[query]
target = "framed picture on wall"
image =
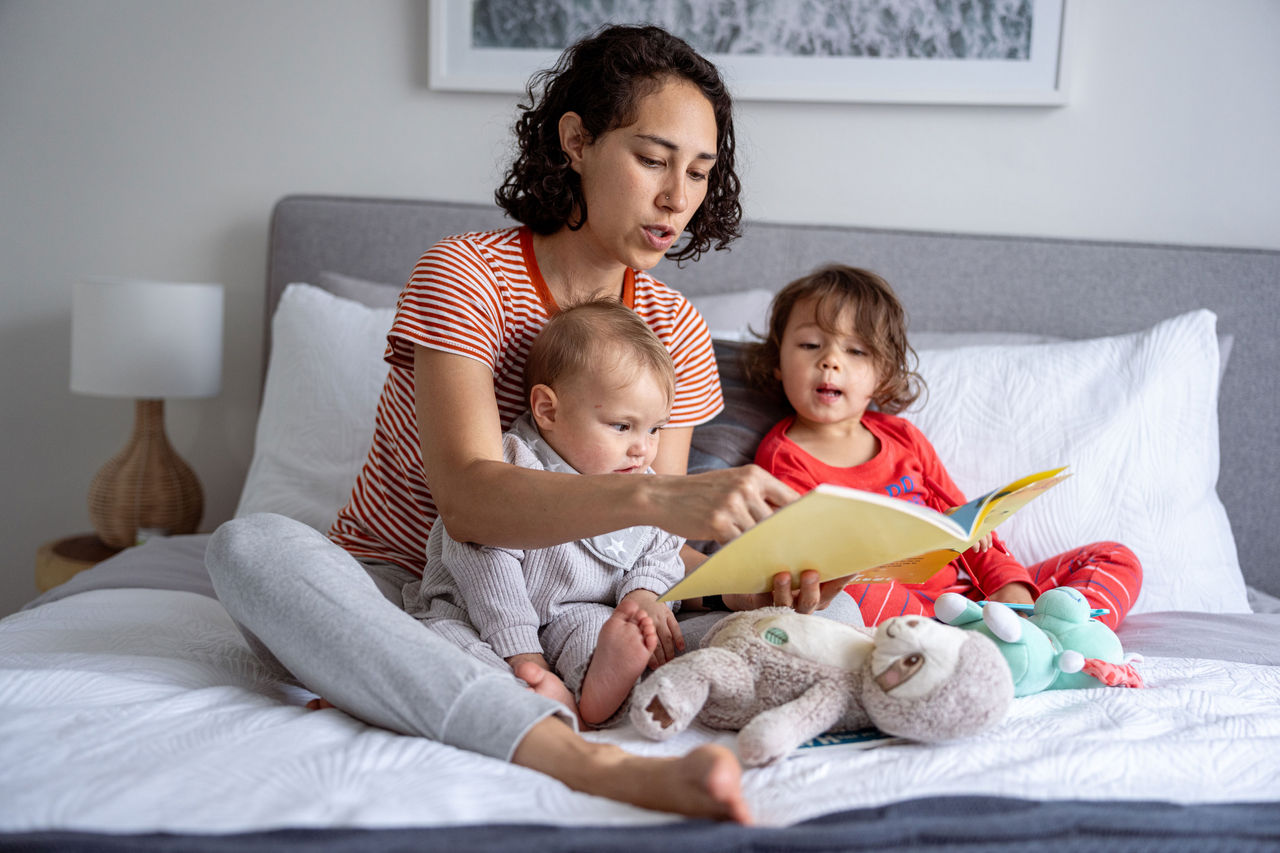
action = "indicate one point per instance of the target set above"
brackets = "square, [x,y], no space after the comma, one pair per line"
[871,51]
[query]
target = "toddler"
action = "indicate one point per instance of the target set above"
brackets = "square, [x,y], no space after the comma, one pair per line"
[578,622]
[837,348]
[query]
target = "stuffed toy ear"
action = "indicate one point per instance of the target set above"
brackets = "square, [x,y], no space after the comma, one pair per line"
[976,697]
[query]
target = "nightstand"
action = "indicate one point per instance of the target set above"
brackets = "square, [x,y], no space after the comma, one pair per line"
[60,560]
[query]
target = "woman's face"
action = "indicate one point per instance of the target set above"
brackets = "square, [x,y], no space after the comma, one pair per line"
[644,182]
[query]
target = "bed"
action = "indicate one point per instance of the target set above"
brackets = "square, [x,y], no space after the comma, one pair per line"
[133,716]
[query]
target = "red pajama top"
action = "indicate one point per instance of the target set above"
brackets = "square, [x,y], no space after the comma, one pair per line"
[481,296]
[905,467]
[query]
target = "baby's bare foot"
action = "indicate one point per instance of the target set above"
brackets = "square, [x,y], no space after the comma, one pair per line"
[623,648]
[546,683]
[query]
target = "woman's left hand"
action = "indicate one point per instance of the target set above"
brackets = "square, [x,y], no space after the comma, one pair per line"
[812,595]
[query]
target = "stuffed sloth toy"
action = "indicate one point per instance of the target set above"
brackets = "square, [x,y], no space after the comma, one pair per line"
[781,678]
[1058,647]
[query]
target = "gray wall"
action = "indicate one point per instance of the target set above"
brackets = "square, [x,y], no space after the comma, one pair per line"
[150,138]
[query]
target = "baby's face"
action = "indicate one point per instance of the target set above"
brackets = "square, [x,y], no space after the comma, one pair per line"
[608,421]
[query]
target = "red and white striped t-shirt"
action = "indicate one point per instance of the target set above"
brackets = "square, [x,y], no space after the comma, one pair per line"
[481,296]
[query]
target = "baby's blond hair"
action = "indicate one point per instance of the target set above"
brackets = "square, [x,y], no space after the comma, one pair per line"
[584,337]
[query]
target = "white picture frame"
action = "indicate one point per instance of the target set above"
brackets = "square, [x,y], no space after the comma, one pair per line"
[1040,80]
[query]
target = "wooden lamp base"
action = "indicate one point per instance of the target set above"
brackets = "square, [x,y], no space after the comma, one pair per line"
[145,487]
[59,561]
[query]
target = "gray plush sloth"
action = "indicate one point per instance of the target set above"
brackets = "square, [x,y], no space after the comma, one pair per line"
[780,678]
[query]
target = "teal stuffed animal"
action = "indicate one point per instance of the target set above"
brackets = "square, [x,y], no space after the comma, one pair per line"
[1060,646]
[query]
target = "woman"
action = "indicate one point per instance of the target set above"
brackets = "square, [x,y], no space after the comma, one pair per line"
[627,144]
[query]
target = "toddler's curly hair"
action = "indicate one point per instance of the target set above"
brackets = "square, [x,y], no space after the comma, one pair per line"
[879,320]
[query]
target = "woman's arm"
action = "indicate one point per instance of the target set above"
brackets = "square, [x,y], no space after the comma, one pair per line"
[673,458]
[673,451]
[481,498]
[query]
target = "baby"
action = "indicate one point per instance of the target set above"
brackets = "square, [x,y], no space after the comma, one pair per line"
[578,622]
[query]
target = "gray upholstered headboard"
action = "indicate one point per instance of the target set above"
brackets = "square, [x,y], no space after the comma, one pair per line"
[1075,289]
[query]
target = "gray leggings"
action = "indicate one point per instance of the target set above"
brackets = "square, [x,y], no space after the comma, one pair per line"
[308,607]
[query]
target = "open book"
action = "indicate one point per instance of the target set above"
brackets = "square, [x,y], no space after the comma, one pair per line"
[864,738]
[841,531]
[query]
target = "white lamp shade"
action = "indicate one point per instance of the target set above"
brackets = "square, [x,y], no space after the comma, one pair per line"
[146,339]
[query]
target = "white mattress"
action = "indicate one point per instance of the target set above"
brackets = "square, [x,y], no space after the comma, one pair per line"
[133,710]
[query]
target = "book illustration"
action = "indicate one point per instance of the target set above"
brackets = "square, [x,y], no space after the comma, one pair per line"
[869,536]
[865,738]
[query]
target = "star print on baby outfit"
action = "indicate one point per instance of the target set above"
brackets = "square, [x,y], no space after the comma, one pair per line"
[621,548]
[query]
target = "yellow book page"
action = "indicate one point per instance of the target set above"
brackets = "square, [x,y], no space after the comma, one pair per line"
[916,569]
[834,530]
[1014,497]
[971,514]
[996,508]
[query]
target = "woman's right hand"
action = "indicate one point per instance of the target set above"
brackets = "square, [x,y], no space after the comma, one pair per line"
[718,505]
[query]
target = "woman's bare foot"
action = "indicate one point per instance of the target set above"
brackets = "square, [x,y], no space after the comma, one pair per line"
[706,783]
[623,648]
[546,683]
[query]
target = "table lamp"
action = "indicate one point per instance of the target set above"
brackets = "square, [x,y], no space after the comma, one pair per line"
[147,340]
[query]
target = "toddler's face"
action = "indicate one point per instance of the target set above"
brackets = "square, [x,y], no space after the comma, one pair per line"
[828,378]
[608,421]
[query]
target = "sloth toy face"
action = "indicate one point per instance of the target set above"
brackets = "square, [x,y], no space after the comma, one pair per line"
[913,656]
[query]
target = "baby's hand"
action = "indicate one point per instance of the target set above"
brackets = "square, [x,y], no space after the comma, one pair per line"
[670,638]
[535,658]
[983,545]
[534,670]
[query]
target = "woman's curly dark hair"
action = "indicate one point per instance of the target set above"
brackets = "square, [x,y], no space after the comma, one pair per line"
[602,78]
[879,320]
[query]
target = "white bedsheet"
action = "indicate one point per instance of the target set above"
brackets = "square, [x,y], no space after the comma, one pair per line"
[142,710]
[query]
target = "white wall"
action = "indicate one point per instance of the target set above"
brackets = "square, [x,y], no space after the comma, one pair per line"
[151,138]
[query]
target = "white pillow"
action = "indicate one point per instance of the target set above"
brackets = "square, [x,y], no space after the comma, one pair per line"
[734,316]
[316,423]
[1136,419]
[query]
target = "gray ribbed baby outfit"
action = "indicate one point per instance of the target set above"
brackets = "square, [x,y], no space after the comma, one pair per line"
[498,602]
